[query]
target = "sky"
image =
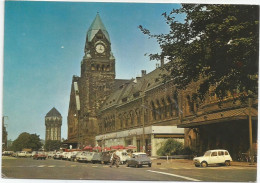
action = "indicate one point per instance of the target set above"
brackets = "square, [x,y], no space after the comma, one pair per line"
[44,45]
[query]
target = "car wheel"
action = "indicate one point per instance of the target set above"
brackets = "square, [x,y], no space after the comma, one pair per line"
[137,166]
[150,164]
[127,165]
[197,165]
[227,163]
[204,164]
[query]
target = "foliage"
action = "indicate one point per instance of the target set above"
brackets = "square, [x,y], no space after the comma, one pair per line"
[26,140]
[216,46]
[170,147]
[51,145]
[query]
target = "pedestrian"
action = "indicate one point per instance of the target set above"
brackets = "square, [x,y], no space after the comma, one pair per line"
[115,160]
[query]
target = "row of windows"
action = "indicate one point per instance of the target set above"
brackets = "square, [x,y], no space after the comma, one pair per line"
[100,67]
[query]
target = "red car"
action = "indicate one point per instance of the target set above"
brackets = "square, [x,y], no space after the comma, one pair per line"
[39,156]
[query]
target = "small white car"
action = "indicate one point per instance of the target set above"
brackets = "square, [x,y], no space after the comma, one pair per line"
[24,154]
[217,156]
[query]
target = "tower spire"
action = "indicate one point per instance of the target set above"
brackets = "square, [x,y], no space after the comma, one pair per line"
[97,25]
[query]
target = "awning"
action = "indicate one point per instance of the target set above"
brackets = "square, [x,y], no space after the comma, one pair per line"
[230,115]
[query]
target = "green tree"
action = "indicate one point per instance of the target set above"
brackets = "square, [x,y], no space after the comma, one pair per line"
[215,45]
[26,140]
[51,145]
[170,147]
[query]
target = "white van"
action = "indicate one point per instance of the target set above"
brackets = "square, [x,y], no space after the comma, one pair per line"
[123,156]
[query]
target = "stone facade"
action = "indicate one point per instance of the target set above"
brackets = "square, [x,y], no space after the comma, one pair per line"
[146,111]
[101,104]
[53,122]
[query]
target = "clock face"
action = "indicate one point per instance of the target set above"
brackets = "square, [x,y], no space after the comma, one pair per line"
[100,48]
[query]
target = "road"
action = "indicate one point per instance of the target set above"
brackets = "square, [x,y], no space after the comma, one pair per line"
[61,169]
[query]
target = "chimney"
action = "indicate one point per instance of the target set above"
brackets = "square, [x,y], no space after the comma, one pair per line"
[162,60]
[143,72]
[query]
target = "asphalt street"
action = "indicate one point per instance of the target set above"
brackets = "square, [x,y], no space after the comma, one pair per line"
[60,169]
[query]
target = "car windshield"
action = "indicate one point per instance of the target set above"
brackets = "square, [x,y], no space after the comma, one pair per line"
[141,156]
[207,153]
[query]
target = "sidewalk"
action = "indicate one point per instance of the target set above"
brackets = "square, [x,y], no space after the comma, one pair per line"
[173,163]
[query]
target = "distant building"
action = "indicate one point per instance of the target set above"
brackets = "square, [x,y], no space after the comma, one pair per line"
[53,122]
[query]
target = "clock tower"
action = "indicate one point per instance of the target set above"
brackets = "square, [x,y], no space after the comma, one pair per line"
[97,79]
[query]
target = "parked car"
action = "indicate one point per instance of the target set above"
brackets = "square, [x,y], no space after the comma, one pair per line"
[50,154]
[82,156]
[217,156]
[7,153]
[64,155]
[24,154]
[57,155]
[15,154]
[139,159]
[40,155]
[74,155]
[89,156]
[105,157]
[96,157]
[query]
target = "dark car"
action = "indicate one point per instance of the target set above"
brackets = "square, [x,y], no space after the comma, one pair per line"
[96,157]
[40,156]
[105,157]
[139,159]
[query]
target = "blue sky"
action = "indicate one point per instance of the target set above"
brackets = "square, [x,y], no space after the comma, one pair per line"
[44,45]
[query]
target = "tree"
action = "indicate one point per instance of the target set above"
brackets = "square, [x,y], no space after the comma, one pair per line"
[170,147]
[26,140]
[216,46]
[51,145]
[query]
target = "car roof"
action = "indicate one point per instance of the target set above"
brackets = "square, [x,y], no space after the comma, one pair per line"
[138,153]
[218,150]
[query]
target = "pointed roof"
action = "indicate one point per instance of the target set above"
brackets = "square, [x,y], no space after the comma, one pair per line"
[97,25]
[53,112]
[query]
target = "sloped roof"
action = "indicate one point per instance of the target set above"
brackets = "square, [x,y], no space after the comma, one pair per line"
[97,25]
[135,86]
[53,113]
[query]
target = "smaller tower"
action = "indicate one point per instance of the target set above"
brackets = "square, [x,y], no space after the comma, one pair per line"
[53,121]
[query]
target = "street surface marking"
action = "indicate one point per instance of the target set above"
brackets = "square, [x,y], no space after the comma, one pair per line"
[51,166]
[41,166]
[174,175]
